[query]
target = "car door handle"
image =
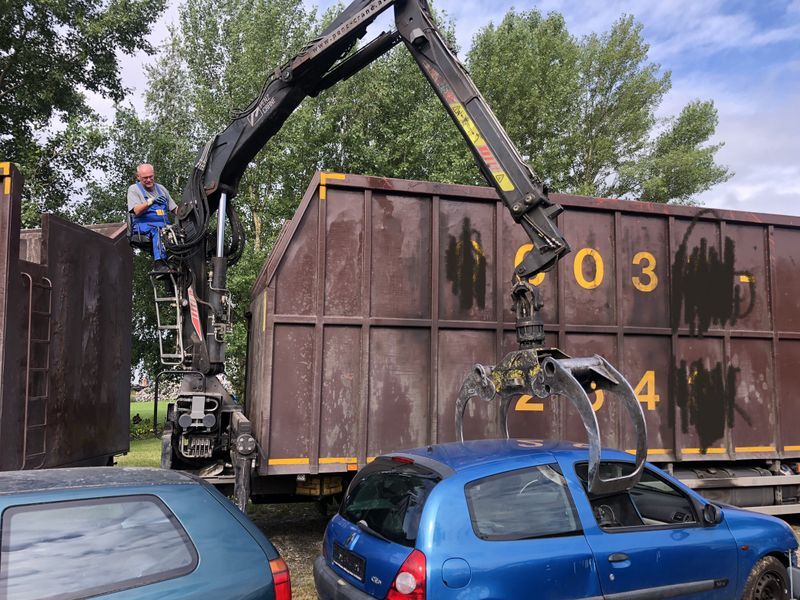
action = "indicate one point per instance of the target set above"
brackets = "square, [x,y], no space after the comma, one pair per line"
[618,557]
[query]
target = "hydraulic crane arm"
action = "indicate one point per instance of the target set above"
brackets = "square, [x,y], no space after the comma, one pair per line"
[206,422]
[322,63]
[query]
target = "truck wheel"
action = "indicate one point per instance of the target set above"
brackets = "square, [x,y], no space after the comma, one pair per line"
[767,581]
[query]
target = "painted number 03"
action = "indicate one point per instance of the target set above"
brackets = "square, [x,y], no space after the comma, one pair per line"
[645,392]
[645,281]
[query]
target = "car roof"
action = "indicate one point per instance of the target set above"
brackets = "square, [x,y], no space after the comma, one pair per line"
[481,453]
[15,482]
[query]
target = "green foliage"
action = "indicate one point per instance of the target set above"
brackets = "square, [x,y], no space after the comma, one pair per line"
[528,69]
[142,418]
[52,52]
[676,165]
[582,111]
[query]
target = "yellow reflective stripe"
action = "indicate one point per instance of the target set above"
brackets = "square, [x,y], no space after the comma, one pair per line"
[755,448]
[708,451]
[791,448]
[324,178]
[5,171]
[652,451]
[288,461]
[338,461]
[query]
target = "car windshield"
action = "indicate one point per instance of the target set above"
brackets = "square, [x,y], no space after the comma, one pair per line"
[390,500]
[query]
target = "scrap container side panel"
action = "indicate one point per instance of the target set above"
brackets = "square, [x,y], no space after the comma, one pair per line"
[399,287]
[11,409]
[92,278]
[65,344]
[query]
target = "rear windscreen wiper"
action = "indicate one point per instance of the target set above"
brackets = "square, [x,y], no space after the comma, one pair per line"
[362,524]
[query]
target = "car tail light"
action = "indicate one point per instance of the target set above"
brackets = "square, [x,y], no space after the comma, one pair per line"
[410,579]
[281,579]
[403,460]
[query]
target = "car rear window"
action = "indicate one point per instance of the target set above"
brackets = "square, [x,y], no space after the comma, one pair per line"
[522,504]
[76,549]
[389,498]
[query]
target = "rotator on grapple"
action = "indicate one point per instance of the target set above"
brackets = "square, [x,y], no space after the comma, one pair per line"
[206,428]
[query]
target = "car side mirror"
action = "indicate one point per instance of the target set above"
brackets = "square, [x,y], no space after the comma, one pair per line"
[712,514]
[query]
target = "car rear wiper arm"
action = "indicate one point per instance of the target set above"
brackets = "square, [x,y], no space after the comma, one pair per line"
[362,524]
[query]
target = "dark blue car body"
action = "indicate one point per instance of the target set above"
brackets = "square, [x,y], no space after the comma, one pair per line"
[127,533]
[655,541]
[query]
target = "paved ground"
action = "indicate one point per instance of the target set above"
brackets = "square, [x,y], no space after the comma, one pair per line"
[297,529]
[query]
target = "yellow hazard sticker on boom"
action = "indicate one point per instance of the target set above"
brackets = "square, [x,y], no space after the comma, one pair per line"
[469,127]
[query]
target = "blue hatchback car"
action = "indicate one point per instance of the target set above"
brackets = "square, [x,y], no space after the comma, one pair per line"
[129,533]
[514,519]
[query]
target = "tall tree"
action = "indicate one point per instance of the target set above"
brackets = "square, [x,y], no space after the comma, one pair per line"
[52,52]
[583,110]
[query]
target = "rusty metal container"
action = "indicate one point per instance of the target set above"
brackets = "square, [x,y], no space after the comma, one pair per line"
[382,293]
[65,344]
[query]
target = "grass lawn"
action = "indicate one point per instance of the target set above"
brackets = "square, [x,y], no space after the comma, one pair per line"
[145,410]
[143,453]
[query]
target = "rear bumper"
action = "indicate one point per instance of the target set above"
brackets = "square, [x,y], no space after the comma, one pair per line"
[332,587]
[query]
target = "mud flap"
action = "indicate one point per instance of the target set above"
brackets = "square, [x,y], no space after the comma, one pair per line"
[243,453]
[545,373]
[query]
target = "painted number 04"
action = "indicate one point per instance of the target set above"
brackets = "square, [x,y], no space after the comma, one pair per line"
[645,392]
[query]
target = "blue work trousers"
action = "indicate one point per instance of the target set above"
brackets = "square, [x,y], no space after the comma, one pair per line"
[153,230]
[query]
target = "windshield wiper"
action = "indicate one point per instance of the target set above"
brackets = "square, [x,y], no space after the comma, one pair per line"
[362,524]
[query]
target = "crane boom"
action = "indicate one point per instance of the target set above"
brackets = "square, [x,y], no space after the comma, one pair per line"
[200,268]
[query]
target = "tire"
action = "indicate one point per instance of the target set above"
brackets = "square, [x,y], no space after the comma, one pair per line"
[767,581]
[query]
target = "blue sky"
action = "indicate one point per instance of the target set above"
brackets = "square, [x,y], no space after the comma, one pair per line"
[742,54]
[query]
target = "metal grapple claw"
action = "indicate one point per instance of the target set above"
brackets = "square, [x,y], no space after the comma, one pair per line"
[477,384]
[575,378]
[545,373]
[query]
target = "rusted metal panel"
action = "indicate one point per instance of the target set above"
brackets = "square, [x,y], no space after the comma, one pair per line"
[298,270]
[589,297]
[399,389]
[459,351]
[607,411]
[401,256]
[65,344]
[754,422]
[341,383]
[704,397]
[405,287]
[11,408]
[343,252]
[290,419]
[647,364]
[787,275]
[788,359]
[644,272]
[466,255]
[92,278]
